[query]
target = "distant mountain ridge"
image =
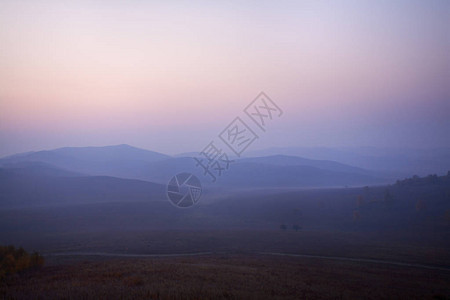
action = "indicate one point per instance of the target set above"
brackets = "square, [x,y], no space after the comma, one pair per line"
[41,184]
[289,160]
[37,168]
[117,161]
[393,162]
[124,161]
[103,153]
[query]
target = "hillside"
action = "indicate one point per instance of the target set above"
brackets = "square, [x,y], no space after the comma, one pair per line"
[43,185]
[124,161]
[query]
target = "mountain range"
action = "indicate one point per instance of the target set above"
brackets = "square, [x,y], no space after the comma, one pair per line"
[124,161]
[124,187]
[388,162]
[121,172]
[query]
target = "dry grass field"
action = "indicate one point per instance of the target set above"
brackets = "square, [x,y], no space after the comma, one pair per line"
[224,277]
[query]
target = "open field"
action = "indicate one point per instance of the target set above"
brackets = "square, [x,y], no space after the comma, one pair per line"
[320,265]
[225,277]
[375,243]
[418,248]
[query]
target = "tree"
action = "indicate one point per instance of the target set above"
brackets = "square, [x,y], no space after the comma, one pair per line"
[388,197]
[36,260]
[296,227]
[420,205]
[283,227]
[366,191]
[359,201]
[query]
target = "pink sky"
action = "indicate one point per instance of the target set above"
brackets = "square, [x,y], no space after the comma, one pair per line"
[170,76]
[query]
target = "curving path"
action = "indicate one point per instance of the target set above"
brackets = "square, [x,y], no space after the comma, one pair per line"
[338,258]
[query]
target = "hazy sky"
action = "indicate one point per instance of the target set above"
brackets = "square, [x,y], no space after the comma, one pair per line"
[170,76]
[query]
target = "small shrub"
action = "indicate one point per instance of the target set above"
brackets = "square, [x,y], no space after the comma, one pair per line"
[14,260]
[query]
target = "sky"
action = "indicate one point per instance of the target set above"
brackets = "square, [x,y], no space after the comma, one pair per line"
[171,75]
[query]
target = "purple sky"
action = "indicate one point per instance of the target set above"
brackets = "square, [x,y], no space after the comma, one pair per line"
[170,77]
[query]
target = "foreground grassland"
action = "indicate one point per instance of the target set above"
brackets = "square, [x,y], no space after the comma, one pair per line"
[238,276]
